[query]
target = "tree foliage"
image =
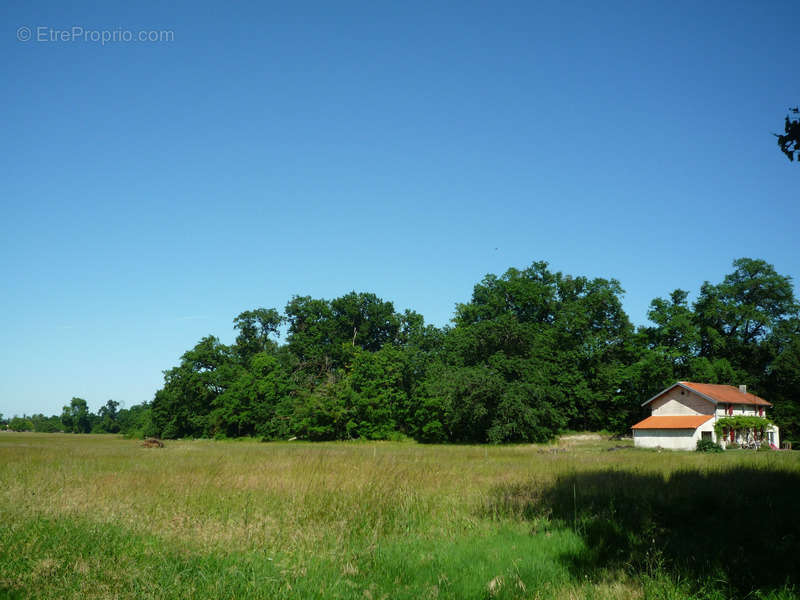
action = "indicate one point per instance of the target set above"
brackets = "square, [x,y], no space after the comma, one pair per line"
[534,352]
[76,417]
[255,328]
[737,316]
[741,423]
[21,424]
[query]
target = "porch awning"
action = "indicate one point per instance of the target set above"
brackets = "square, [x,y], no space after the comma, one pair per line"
[677,422]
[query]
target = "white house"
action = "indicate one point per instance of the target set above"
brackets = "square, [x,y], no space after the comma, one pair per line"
[686,412]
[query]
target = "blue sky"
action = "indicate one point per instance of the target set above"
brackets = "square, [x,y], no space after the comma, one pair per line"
[151,191]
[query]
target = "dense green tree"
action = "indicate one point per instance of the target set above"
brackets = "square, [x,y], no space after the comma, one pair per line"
[669,350]
[320,330]
[365,319]
[368,398]
[76,417]
[674,333]
[183,406]
[44,424]
[251,404]
[107,418]
[22,423]
[532,353]
[137,421]
[255,328]
[311,336]
[374,392]
[737,316]
[320,414]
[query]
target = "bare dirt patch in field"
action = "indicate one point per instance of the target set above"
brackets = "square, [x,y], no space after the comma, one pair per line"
[578,437]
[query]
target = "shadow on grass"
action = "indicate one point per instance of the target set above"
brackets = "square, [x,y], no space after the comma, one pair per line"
[739,527]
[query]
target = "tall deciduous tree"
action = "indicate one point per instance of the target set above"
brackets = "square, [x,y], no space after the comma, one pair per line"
[532,353]
[310,336]
[674,330]
[255,328]
[252,403]
[183,406]
[736,316]
[108,417]
[318,329]
[76,416]
[365,319]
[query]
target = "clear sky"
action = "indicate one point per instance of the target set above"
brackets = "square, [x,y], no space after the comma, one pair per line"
[151,191]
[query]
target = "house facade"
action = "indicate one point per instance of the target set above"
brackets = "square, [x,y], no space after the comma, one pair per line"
[687,412]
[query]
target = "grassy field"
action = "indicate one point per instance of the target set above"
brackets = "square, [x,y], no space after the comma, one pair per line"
[88,516]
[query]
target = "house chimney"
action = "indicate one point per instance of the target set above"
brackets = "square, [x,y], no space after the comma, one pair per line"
[743,389]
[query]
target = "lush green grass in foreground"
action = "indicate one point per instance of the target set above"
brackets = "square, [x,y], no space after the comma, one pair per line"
[101,517]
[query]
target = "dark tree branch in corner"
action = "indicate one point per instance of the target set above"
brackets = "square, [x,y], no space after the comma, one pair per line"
[790,142]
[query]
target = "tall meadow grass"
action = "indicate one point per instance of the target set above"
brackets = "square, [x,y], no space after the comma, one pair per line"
[100,516]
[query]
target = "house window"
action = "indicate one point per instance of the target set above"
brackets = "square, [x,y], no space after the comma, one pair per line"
[706,435]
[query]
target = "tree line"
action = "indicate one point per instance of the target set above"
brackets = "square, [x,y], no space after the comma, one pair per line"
[77,418]
[533,353]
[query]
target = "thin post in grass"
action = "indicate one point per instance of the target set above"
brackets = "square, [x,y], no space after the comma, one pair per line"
[574,507]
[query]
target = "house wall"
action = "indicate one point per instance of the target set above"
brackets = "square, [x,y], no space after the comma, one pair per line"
[707,426]
[777,435]
[670,439]
[673,402]
[738,409]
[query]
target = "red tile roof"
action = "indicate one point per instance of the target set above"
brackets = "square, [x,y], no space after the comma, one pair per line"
[682,422]
[727,394]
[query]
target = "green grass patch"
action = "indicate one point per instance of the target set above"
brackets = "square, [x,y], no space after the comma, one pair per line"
[76,558]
